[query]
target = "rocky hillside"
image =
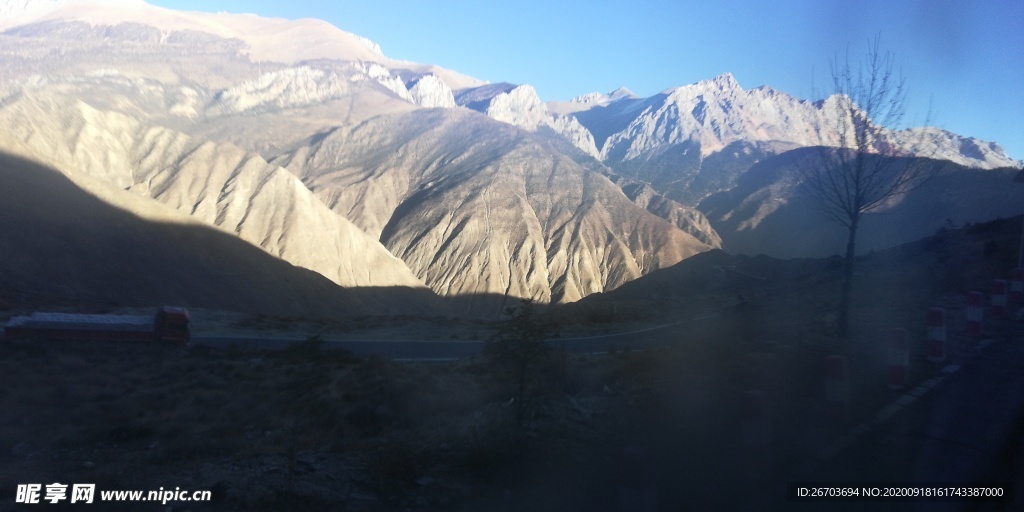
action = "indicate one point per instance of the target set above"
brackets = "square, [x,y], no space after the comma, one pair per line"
[216,183]
[375,172]
[452,193]
[769,211]
[63,246]
[693,141]
[365,171]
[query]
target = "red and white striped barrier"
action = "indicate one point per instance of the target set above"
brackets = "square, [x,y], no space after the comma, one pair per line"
[936,335]
[1017,286]
[837,387]
[999,292]
[975,313]
[757,425]
[899,359]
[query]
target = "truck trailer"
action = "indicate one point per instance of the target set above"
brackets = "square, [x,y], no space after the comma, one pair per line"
[168,325]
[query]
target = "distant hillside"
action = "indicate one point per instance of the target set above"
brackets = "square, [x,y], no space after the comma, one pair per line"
[769,212]
[769,298]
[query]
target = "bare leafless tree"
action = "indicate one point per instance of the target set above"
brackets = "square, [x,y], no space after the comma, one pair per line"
[863,169]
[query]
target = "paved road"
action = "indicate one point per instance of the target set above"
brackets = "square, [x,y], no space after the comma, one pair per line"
[442,350]
[439,350]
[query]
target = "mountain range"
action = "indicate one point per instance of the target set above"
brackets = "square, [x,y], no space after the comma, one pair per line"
[309,143]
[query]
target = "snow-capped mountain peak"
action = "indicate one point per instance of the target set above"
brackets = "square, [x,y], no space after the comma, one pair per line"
[724,84]
[430,91]
[597,98]
[590,98]
[725,80]
[945,145]
[621,93]
[718,112]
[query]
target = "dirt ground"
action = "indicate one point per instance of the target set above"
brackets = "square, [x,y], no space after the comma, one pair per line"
[732,404]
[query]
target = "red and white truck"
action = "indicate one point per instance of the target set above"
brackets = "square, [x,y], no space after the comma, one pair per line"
[168,325]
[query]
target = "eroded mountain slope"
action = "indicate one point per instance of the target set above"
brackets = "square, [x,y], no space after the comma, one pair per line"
[217,183]
[475,206]
[60,243]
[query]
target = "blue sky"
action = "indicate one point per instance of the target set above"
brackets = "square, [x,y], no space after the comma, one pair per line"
[967,58]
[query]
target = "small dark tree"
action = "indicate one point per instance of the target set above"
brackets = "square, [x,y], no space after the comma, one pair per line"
[518,347]
[864,170]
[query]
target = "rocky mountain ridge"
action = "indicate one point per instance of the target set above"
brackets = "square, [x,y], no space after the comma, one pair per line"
[716,113]
[421,180]
[378,172]
[287,157]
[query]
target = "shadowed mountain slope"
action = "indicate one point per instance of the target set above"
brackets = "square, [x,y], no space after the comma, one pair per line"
[216,183]
[56,240]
